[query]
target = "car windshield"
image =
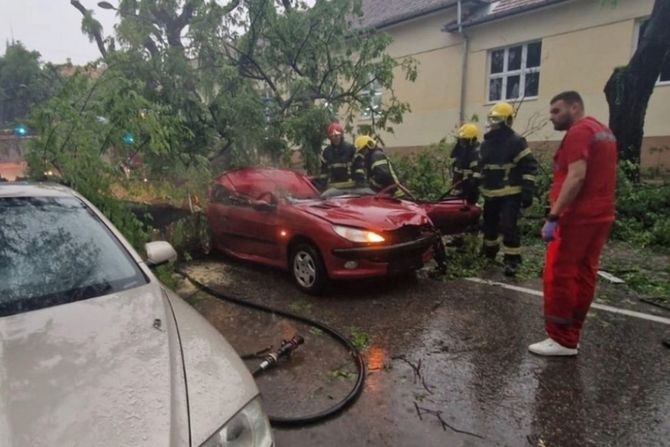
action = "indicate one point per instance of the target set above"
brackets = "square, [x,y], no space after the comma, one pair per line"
[54,250]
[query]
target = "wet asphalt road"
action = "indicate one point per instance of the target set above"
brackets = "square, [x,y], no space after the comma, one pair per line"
[447,364]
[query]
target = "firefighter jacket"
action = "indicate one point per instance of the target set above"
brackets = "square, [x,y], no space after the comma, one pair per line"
[506,165]
[464,162]
[336,166]
[375,165]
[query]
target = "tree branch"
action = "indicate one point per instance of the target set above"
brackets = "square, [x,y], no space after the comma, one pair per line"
[100,42]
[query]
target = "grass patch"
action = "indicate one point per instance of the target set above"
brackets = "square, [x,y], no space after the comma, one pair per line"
[342,374]
[300,306]
[649,283]
[166,275]
[359,339]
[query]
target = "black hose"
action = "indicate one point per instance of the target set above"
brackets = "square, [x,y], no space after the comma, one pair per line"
[349,399]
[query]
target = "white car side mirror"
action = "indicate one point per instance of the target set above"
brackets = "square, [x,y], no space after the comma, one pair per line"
[159,252]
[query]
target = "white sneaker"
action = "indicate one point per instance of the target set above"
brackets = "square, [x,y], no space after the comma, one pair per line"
[549,347]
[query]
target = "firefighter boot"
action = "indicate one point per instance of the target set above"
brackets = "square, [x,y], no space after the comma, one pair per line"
[511,268]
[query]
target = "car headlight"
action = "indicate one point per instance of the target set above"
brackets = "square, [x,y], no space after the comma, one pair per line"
[248,428]
[356,235]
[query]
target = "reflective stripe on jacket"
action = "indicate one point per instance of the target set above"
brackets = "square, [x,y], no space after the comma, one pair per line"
[506,164]
[465,171]
[336,165]
[377,168]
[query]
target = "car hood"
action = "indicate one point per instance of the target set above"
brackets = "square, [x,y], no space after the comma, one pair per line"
[93,372]
[106,371]
[374,213]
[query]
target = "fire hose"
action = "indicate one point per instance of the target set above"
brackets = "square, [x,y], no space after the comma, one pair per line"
[289,346]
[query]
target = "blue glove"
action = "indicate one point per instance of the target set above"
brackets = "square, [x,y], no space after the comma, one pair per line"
[549,230]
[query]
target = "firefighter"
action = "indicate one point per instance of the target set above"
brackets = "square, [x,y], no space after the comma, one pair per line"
[507,169]
[465,163]
[372,164]
[336,161]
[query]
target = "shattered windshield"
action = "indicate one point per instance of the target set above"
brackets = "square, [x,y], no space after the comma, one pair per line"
[54,250]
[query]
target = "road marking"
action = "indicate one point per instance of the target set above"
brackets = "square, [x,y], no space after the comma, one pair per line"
[605,307]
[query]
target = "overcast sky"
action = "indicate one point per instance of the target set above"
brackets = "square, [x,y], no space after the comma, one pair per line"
[52,27]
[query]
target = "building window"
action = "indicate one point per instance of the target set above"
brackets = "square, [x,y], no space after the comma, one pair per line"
[514,72]
[375,94]
[664,77]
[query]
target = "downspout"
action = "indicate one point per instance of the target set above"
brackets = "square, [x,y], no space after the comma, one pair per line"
[464,63]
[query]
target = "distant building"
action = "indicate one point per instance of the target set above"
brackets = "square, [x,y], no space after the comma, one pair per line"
[472,53]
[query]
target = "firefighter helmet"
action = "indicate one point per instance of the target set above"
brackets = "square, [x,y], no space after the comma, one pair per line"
[468,131]
[501,113]
[364,141]
[334,129]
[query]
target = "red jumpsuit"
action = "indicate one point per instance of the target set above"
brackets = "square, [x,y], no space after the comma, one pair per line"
[572,257]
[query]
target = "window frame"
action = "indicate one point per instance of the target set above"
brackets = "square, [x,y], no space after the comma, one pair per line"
[376,91]
[505,74]
[636,41]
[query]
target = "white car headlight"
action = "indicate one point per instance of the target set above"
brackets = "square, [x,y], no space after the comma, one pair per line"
[248,428]
[356,235]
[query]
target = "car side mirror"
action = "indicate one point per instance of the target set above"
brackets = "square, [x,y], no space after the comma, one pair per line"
[159,252]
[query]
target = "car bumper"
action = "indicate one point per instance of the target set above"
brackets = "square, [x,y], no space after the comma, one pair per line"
[366,262]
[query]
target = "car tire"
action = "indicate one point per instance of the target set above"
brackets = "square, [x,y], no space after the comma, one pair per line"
[307,269]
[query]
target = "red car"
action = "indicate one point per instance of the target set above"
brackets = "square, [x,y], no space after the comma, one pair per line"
[277,217]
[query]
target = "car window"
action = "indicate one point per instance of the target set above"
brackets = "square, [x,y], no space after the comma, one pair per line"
[55,250]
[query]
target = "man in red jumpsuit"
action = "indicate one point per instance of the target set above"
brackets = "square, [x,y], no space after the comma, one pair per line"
[582,212]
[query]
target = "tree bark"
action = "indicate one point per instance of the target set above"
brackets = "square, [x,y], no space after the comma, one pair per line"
[629,88]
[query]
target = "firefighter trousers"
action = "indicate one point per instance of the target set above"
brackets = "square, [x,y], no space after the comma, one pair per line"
[501,215]
[570,273]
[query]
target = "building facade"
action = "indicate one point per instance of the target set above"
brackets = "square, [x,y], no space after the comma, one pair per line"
[472,53]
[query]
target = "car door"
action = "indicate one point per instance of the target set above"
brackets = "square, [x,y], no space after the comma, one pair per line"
[452,216]
[218,217]
[253,226]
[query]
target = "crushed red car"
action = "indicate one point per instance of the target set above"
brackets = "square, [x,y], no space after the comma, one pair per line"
[277,217]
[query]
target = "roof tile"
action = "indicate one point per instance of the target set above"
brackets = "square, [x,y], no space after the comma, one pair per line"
[378,13]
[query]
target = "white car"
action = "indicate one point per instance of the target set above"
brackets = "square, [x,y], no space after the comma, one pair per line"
[95,351]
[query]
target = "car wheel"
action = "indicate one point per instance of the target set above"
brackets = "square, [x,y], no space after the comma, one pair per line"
[307,269]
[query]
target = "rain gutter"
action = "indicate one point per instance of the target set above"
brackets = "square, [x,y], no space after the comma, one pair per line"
[451,27]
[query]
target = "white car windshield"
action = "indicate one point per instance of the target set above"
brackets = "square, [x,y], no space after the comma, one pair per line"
[54,250]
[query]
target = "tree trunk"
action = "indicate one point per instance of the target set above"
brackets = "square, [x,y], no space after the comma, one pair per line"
[629,88]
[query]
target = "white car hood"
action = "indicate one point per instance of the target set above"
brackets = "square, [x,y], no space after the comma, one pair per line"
[93,373]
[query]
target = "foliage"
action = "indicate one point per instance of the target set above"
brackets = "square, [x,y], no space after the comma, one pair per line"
[426,173]
[651,284]
[360,339]
[74,133]
[166,274]
[23,82]
[642,211]
[255,79]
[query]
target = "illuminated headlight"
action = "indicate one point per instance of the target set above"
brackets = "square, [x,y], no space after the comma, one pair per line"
[248,428]
[356,235]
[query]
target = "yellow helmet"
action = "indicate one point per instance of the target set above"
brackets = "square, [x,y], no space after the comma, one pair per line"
[502,112]
[363,141]
[468,131]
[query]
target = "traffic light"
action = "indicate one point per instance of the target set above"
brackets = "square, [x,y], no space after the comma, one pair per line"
[128,139]
[21,131]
